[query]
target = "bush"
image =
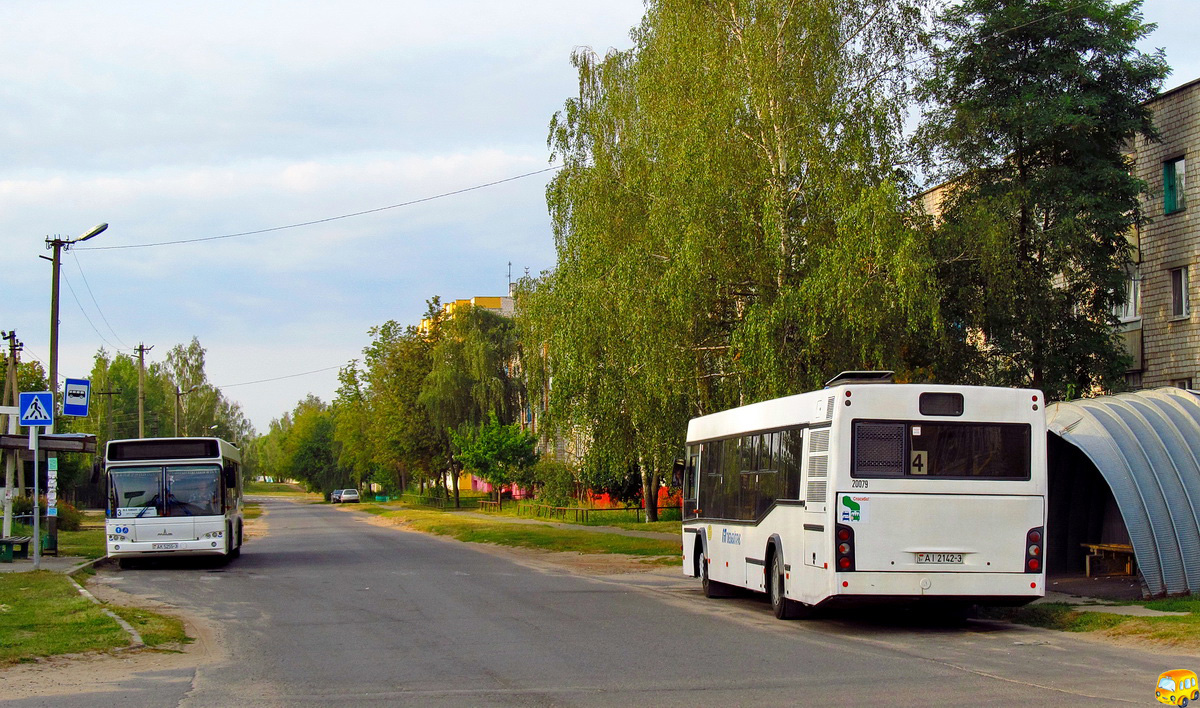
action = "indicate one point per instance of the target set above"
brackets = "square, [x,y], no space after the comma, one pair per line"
[69,518]
[557,483]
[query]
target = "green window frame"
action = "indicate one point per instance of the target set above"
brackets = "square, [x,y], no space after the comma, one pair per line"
[1174,185]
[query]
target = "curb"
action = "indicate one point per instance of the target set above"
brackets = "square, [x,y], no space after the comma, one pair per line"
[135,638]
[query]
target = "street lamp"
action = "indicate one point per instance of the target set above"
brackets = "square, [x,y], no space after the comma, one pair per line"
[59,245]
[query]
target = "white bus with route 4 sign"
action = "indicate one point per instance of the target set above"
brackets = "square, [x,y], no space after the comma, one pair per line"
[870,491]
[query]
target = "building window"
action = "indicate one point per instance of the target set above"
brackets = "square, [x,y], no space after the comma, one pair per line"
[1179,293]
[1130,309]
[1182,383]
[1174,184]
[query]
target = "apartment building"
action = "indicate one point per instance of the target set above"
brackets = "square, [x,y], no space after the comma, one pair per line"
[1159,323]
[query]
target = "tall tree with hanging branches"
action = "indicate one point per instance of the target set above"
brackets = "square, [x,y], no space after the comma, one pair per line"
[729,221]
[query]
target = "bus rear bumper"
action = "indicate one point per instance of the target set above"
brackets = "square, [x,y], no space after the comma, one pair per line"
[976,588]
[201,547]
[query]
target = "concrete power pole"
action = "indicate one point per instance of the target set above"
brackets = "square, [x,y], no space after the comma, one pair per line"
[141,352]
[10,456]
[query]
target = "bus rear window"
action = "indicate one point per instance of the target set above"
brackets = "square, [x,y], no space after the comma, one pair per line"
[947,450]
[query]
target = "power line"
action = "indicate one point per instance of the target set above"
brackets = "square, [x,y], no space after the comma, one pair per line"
[85,314]
[97,304]
[325,220]
[277,378]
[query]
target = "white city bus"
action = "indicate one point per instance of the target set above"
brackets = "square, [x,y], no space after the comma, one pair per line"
[173,497]
[870,491]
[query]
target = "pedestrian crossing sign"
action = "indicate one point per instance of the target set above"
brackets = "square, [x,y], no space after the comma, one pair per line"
[37,409]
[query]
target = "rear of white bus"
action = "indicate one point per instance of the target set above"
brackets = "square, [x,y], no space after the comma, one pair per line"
[941,494]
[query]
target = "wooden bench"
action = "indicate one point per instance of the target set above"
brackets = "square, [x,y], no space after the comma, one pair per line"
[1109,559]
[14,547]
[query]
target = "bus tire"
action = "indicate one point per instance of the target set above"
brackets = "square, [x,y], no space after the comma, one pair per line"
[780,605]
[125,563]
[711,587]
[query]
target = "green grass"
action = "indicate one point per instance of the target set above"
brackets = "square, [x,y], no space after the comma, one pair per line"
[88,543]
[251,510]
[42,614]
[505,533]
[274,488]
[1177,631]
[155,629]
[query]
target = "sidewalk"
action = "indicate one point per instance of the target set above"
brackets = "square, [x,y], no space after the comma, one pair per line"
[55,564]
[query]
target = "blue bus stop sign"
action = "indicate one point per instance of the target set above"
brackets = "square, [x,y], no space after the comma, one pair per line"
[76,395]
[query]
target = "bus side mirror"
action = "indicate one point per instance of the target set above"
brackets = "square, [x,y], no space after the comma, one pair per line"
[97,469]
[229,474]
[677,474]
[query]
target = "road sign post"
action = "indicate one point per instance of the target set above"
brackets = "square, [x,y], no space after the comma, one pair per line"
[37,412]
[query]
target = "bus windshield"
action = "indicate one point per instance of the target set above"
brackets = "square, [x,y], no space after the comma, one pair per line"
[135,492]
[179,490]
[193,490]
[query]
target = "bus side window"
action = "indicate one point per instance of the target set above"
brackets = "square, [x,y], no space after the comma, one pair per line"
[790,450]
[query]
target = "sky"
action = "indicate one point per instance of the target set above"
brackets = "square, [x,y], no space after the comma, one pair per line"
[196,121]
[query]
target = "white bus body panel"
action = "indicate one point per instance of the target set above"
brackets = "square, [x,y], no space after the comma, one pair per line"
[896,527]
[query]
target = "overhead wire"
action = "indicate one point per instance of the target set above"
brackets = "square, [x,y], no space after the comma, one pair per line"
[280,378]
[325,220]
[84,312]
[97,304]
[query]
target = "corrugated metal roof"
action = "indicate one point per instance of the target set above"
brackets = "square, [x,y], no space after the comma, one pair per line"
[1146,445]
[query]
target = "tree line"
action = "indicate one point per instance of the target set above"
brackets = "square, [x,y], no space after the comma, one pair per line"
[178,399]
[738,218]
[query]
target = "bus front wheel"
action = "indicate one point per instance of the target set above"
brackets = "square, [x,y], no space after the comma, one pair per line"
[711,587]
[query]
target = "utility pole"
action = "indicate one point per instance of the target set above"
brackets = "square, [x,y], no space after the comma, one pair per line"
[108,408]
[10,456]
[59,245]
[178,398]
[141,352]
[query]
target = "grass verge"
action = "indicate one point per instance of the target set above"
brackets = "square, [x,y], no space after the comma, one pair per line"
[156,629]
[278,489]
[1182,631]
[544,537]
[42,614]
[250,510]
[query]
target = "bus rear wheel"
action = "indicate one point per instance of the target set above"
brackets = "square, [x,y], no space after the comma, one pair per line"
[775,591]
[776,583]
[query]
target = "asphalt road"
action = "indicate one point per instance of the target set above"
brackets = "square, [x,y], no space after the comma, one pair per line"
[329,610]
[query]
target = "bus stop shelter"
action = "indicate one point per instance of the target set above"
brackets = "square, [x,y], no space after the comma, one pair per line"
[1126,469]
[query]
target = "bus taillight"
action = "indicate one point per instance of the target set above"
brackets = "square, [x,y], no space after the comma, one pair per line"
[1033,550]
[844,536]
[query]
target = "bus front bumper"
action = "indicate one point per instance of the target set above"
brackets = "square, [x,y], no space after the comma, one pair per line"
[199,547]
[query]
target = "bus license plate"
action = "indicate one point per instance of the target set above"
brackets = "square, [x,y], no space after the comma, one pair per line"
[939,558]
[164,546]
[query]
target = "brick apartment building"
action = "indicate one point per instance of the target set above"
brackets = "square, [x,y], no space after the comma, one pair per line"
[1160,325]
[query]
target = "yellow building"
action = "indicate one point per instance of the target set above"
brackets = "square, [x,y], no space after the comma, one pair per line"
[500,304]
